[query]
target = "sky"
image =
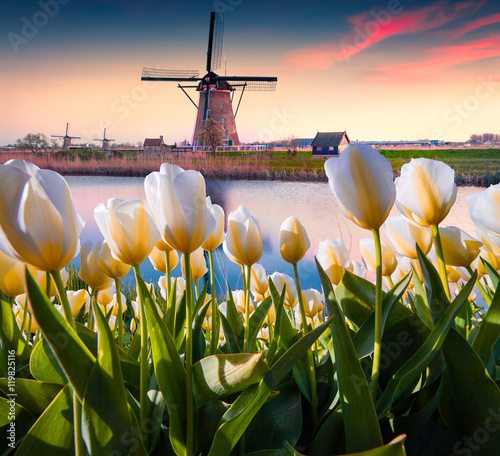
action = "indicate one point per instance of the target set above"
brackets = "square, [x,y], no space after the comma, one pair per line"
[388,70]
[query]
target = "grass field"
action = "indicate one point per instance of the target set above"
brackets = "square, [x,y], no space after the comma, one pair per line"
[478,167]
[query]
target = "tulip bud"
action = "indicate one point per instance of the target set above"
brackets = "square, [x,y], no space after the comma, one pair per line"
[389,262]
[178,202]
[198,265]
[259,284]
[459,248]
[128,229]
[313,302]
[294,242]
[405,235]
[357,269]
[333,258]
[216,238]
[426,191]
[362,181]
[39,225]
[90,271]
[157,259]
[11,276]
[291,296]
[110,265]
[105,296]
[77,300]
[243,244]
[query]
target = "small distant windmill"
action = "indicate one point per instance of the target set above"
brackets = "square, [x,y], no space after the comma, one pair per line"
[66,139]
[105,141]
[216,92]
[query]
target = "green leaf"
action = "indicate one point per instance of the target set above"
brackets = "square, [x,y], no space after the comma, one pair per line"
[199,341]
[105,415]
[362,429]
[218,376]
[288,335]
[278,421]
[34,395]
[416,422]
[356,297]
[21,419]
[487,341]
[492,272]
[410,371]
[256,321]
[209,416]
[421,303]
[44,365]
[436,296]
[286,362]
[72,354]
[52,434]
[235,421]
[231,339]
[470,399]
[233,317]
[364,340]
[10,336]
[170,372]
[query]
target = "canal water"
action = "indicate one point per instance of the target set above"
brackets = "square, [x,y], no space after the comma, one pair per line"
[272,202]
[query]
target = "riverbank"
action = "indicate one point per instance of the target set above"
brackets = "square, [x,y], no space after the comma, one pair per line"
[473,167]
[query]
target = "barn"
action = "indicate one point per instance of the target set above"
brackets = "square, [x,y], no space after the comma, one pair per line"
[154,145]
[330,143]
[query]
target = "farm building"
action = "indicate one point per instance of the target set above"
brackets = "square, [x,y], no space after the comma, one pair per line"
[154,145]
[330,143]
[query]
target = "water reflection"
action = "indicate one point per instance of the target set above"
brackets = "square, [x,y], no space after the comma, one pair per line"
[272,202]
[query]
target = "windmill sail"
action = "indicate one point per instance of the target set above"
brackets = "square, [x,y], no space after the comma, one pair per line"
[155,74]
[215,38]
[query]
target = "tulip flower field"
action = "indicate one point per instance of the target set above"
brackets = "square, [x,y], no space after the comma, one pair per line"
[406,365]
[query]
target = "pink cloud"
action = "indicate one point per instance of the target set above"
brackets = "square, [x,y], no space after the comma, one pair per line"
[439,60]
[494,18]
[379,24]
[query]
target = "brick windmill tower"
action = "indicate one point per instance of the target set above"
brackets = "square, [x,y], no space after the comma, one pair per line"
[216,92]
[66,139]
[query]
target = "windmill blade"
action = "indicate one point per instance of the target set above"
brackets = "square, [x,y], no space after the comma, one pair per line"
[155,74]
[215,38]
[251,83]
[75,137]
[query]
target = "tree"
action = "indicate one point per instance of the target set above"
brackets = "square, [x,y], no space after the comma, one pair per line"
[211,135]
[35,142]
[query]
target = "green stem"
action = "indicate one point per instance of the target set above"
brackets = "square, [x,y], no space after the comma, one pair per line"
[214,337]
[144,383]
[90,319]
[23,321]
[378,315]
[310,359]
[12,300]
[168,285]
[440,256]
[189,357]
[47,284]
[391,282]
[485,294]
[247,308]
[119,315]
[80,449]
[56,275]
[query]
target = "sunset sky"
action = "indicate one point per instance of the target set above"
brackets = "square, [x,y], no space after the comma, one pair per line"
[397,69]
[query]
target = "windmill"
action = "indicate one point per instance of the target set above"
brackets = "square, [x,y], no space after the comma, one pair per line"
[66,139]
[105,141]
[216,92]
